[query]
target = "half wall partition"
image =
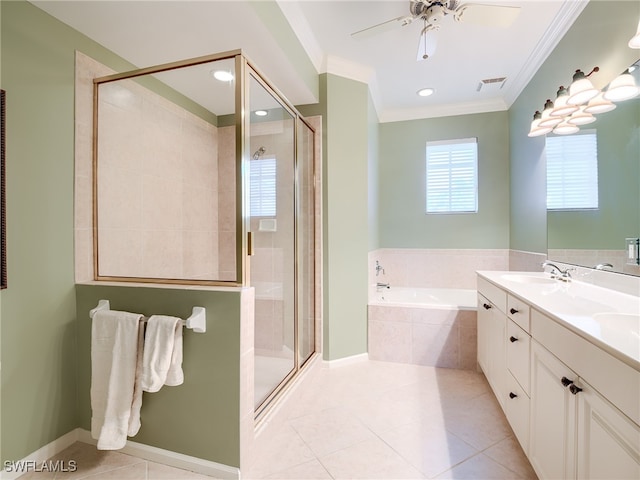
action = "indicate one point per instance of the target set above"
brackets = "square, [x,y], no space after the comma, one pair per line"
[203,174]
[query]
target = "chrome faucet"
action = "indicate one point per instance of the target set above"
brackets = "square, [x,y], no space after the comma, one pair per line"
[603,266]
[379,268]
[563,275]
[382,285]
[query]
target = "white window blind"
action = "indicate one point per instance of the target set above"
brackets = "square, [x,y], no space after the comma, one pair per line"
[452,176]
[572,171]
[262,180]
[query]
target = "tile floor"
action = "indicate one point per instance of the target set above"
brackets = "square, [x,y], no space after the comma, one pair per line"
[370,420]
[381,420]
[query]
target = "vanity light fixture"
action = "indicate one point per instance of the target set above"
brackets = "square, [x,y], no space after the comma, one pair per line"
[581,117]
[222,75]
[635,40]
[425,92]
[561,109]
[565,128]
[623,87]
[536,130]
[261,113]
[599,104]
[581,89]
[547,120]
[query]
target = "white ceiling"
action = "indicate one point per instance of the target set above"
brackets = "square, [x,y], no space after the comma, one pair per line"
[148,33]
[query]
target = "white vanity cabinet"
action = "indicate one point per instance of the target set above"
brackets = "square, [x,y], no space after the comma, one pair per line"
[573,405]
[492,326]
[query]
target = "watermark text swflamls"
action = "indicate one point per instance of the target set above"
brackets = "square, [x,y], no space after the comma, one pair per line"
[24,466]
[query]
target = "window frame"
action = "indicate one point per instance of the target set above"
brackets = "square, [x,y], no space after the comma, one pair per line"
[465,208]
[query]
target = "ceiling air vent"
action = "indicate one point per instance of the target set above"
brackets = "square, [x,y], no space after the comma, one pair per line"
[491,84]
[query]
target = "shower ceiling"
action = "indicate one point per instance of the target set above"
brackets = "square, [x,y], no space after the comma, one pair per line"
[150,33]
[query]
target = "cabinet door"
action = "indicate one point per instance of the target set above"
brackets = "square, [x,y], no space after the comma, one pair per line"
[553,412]
[497,354]
[483,332]
[608,441]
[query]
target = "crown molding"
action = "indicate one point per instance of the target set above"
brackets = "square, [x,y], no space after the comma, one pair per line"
[561,23]
[298,23]
[403,114]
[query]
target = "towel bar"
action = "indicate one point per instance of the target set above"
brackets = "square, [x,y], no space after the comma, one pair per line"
[197,321]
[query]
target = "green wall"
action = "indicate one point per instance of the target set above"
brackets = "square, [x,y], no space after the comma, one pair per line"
[597,38]
[38,309]
[374,177]
[403,222]
[346,234]
[201,417]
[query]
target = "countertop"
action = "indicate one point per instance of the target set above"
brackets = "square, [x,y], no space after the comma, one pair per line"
[604,317]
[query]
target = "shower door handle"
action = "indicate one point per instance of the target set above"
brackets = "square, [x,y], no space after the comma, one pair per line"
[250,244]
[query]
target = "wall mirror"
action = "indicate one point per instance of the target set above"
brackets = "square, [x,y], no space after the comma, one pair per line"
[591,237]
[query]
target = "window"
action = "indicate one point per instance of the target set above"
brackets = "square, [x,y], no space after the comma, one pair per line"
[262,179]
[572,171]
[452,176]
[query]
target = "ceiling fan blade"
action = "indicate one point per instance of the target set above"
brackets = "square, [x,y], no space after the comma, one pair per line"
[427,44]
[383,27]
[487,15]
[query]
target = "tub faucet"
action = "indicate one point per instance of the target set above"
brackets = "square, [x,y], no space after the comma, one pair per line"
[603,266]
[379,268]
[563,275]
[382,285]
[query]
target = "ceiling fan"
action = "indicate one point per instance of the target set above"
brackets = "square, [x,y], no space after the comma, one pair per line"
[433,12]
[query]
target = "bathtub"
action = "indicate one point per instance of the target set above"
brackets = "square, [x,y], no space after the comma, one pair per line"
[459,298]
[433,327]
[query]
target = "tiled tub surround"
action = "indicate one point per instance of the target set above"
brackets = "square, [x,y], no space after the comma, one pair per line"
[439,332]
[434,267]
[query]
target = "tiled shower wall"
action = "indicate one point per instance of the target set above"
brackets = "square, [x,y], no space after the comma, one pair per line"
[162,218]
[157,187]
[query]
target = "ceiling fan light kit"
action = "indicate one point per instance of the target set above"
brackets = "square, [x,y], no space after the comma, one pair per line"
[433,13]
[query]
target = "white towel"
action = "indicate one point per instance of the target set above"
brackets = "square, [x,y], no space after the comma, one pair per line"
[115,337]
[162,357]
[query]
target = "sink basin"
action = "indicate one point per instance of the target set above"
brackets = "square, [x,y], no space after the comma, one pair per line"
[624,322]
[523,278]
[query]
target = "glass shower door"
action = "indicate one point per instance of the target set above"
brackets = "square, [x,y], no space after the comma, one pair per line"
[272,224]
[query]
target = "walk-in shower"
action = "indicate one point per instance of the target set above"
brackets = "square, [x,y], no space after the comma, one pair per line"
[207,182]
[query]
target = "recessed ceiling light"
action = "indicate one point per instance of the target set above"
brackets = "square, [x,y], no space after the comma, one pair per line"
[261,113]
[425,92]
[222,75]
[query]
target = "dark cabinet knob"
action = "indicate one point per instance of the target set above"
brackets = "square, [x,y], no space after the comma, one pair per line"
[513,339]
[565,381]
[575,390]
[513,310]
[486,306]
[512,395]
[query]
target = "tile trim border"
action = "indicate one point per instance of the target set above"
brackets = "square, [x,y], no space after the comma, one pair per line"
[341,362]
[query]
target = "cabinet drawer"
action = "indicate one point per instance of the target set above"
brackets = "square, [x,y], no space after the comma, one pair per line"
[518,311]
[517,405]
[494,294]
[518,348]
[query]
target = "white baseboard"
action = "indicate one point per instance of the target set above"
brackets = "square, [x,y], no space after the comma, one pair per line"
[172,459]
[341,362]
[139,450]
[39,456]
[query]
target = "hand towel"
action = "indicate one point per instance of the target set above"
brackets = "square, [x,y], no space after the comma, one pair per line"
[162,357]
[114,355]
